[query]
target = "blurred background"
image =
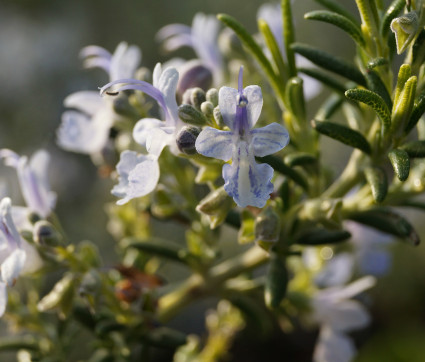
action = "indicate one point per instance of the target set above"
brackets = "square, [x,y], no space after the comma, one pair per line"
[39,66]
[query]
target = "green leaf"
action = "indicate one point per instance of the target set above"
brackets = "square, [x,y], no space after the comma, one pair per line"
[324,78]
[401,163]
[392,12]
[300,159]
[288,36]
[369,15]
[280,167]
[246,233]
[276,282]
[403,108]
[414,148]
[320,236]
[342,22]
[375,84]
[273,46]
[377,62]
[418,51]
[337,8]
[417,112]
[389,222]
[15,343]
[255,51]
[295,98]
[164,337]
[330,62]
[342,134]
[374,101]
[329,107]
[159,247]
[404,74]
[377,180]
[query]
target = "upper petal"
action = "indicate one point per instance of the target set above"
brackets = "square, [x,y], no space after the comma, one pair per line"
[125,61]
[269,139]
[168,86]
[88,102]
[214,143]
[227,101]
[255,103]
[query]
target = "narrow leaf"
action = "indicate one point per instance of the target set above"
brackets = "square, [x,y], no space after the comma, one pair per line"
[255,51]
[288,36]
[159,247]
[404,74]
[417,112]
[418,51]
[275,51]
[342,134]
[295,98]
[329,107]
[324,78]
[401,163]
[276,282]
[300,159]
[330,62]
[403,109]
[280,167]
[389,222]
[414,149]
[374,101]
[320,236]
[392,12]
[337,8]
[377,180]
[377,62]
[375,84]
[342,22]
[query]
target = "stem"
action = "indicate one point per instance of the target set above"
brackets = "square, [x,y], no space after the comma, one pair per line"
[198,286]
[349,177]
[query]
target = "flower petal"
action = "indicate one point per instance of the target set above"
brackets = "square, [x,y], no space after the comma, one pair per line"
[79,133]
[138,176]
[7,225]
[88,102]
[269,139]
[12,266]
[142,128]
[255,103]
[171,30]
[227,101]
[214,143]
[125,61]
[3,298]
[333,347]
[168,86]
[245,180]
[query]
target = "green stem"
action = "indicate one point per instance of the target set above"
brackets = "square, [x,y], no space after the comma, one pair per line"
[198,286]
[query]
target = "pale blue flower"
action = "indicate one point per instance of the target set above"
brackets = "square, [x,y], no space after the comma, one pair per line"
[272,14]
[86,128]
[338,314]
[245,180]
[139,174]
[33,180]
[202,37]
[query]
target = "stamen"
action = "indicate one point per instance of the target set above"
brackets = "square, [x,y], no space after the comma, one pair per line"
[112,93]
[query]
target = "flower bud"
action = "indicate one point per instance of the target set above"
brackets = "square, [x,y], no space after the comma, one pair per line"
[405,28]
[186,139]
[207,109]
[218,117]
[197,97]
[212,96]
[44,233]
[189,114]
[194,74]
[216,205]
[267,226]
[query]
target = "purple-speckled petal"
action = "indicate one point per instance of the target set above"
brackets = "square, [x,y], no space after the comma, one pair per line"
[245,180]
[269,139]
[214,143]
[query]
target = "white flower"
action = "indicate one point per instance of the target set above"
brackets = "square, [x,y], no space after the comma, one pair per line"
[337,314]
[202,37]
[14,253]
[86,128]
[139,174]
[245,180]
[33,181]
